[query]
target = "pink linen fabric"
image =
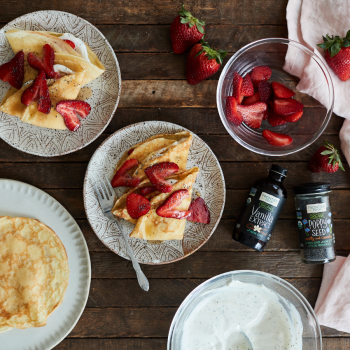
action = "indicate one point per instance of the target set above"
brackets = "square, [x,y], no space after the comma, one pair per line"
[307,21]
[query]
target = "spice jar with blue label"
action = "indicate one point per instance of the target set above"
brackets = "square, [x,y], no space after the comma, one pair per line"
[315,224]
[263,207]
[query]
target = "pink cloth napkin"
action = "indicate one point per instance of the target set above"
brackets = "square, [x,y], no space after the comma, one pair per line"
[307,21]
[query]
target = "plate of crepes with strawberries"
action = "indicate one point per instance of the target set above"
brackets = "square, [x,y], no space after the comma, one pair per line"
[59,83]
[170,191]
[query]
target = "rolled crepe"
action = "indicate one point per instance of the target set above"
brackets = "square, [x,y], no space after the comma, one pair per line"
[66,88]
[151,226]
[33,41]
[159,148]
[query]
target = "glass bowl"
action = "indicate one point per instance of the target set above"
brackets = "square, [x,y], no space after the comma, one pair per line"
[271,52]
[312,338]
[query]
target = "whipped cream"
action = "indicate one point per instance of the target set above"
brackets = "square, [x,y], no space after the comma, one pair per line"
[59,68]
[243,316]
[80,46]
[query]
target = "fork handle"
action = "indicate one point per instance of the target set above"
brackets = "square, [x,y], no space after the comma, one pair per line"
[142,279]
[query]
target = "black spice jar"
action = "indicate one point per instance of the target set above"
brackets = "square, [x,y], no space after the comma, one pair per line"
[315,224]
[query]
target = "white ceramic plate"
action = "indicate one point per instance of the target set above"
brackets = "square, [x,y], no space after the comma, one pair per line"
[20,199]
[104,101]
[210,184]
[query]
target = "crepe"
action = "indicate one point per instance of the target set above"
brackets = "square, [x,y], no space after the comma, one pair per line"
[30,41]
[151,226]
[66,88]
[34,272]
[159,148]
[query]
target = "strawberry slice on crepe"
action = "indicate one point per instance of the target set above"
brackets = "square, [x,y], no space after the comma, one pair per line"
[45,64]
[147,190]
[158,172]
[70,110]
[167,210]
[137,205]
[12,72]
[38,91]
[199,211]
[122,178]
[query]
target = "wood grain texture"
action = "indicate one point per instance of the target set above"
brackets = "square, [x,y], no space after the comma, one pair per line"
[71,175]
[156,38]
[160,344]
[284,238]
[164,12]
[125,293]
[205,123]
[178,93]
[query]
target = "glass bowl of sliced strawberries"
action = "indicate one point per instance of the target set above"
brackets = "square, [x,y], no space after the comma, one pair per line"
[260,104]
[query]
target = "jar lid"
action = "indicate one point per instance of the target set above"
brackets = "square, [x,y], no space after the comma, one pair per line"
[278,169]
[316,187]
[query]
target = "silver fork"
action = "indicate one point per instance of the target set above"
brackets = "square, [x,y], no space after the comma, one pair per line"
[106,196]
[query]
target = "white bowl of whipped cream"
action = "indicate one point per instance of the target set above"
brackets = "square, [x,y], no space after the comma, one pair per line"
[245,310]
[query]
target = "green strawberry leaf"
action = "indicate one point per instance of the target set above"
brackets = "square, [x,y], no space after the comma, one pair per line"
[335,49]
[324,153]
[348,35]
[324,39]
[341,165]
[184,20]
[346,43]
[322,46]
[200,28]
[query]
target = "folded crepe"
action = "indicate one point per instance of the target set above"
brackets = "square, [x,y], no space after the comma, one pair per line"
[30,41]
[151,226]
[157,149]
[66,88]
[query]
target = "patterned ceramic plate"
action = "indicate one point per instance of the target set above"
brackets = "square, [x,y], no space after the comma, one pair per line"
[105,90]
[210,185]
[20,199]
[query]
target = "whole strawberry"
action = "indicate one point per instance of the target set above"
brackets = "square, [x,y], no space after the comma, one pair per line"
[185,31]
[325,159]
[203,62]
[337,54]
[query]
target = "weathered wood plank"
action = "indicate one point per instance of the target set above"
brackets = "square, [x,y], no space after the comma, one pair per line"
[71,175]
[72,200]
[122,293]
[135,323]
[140,11]
[156,38]
[224,146]
[207,265]
[161,344]
[178,93]
[284,238]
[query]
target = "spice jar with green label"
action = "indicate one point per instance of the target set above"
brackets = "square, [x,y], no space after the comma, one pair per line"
[315,224]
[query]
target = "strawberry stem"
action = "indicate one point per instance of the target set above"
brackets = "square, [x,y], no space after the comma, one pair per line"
[218,55]
[186,17]
[335,43]
[333,155]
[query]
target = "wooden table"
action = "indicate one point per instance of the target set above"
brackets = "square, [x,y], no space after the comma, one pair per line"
[119,315]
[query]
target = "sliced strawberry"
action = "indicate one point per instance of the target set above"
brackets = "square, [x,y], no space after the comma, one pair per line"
[12,72]
[259,74]
[147,190]
[292,118]
[253,99]
[253,114]
[167,210]
[121,178]
[46,64]
[287,106]
[265,91]
[137,205]
[231,111]
[199,211]
[276,139]
[247,86]
[275,120]
[70,110]
[236,87]
[38,91]
[70,43]
[130,151]
[281,91]
[156,174]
